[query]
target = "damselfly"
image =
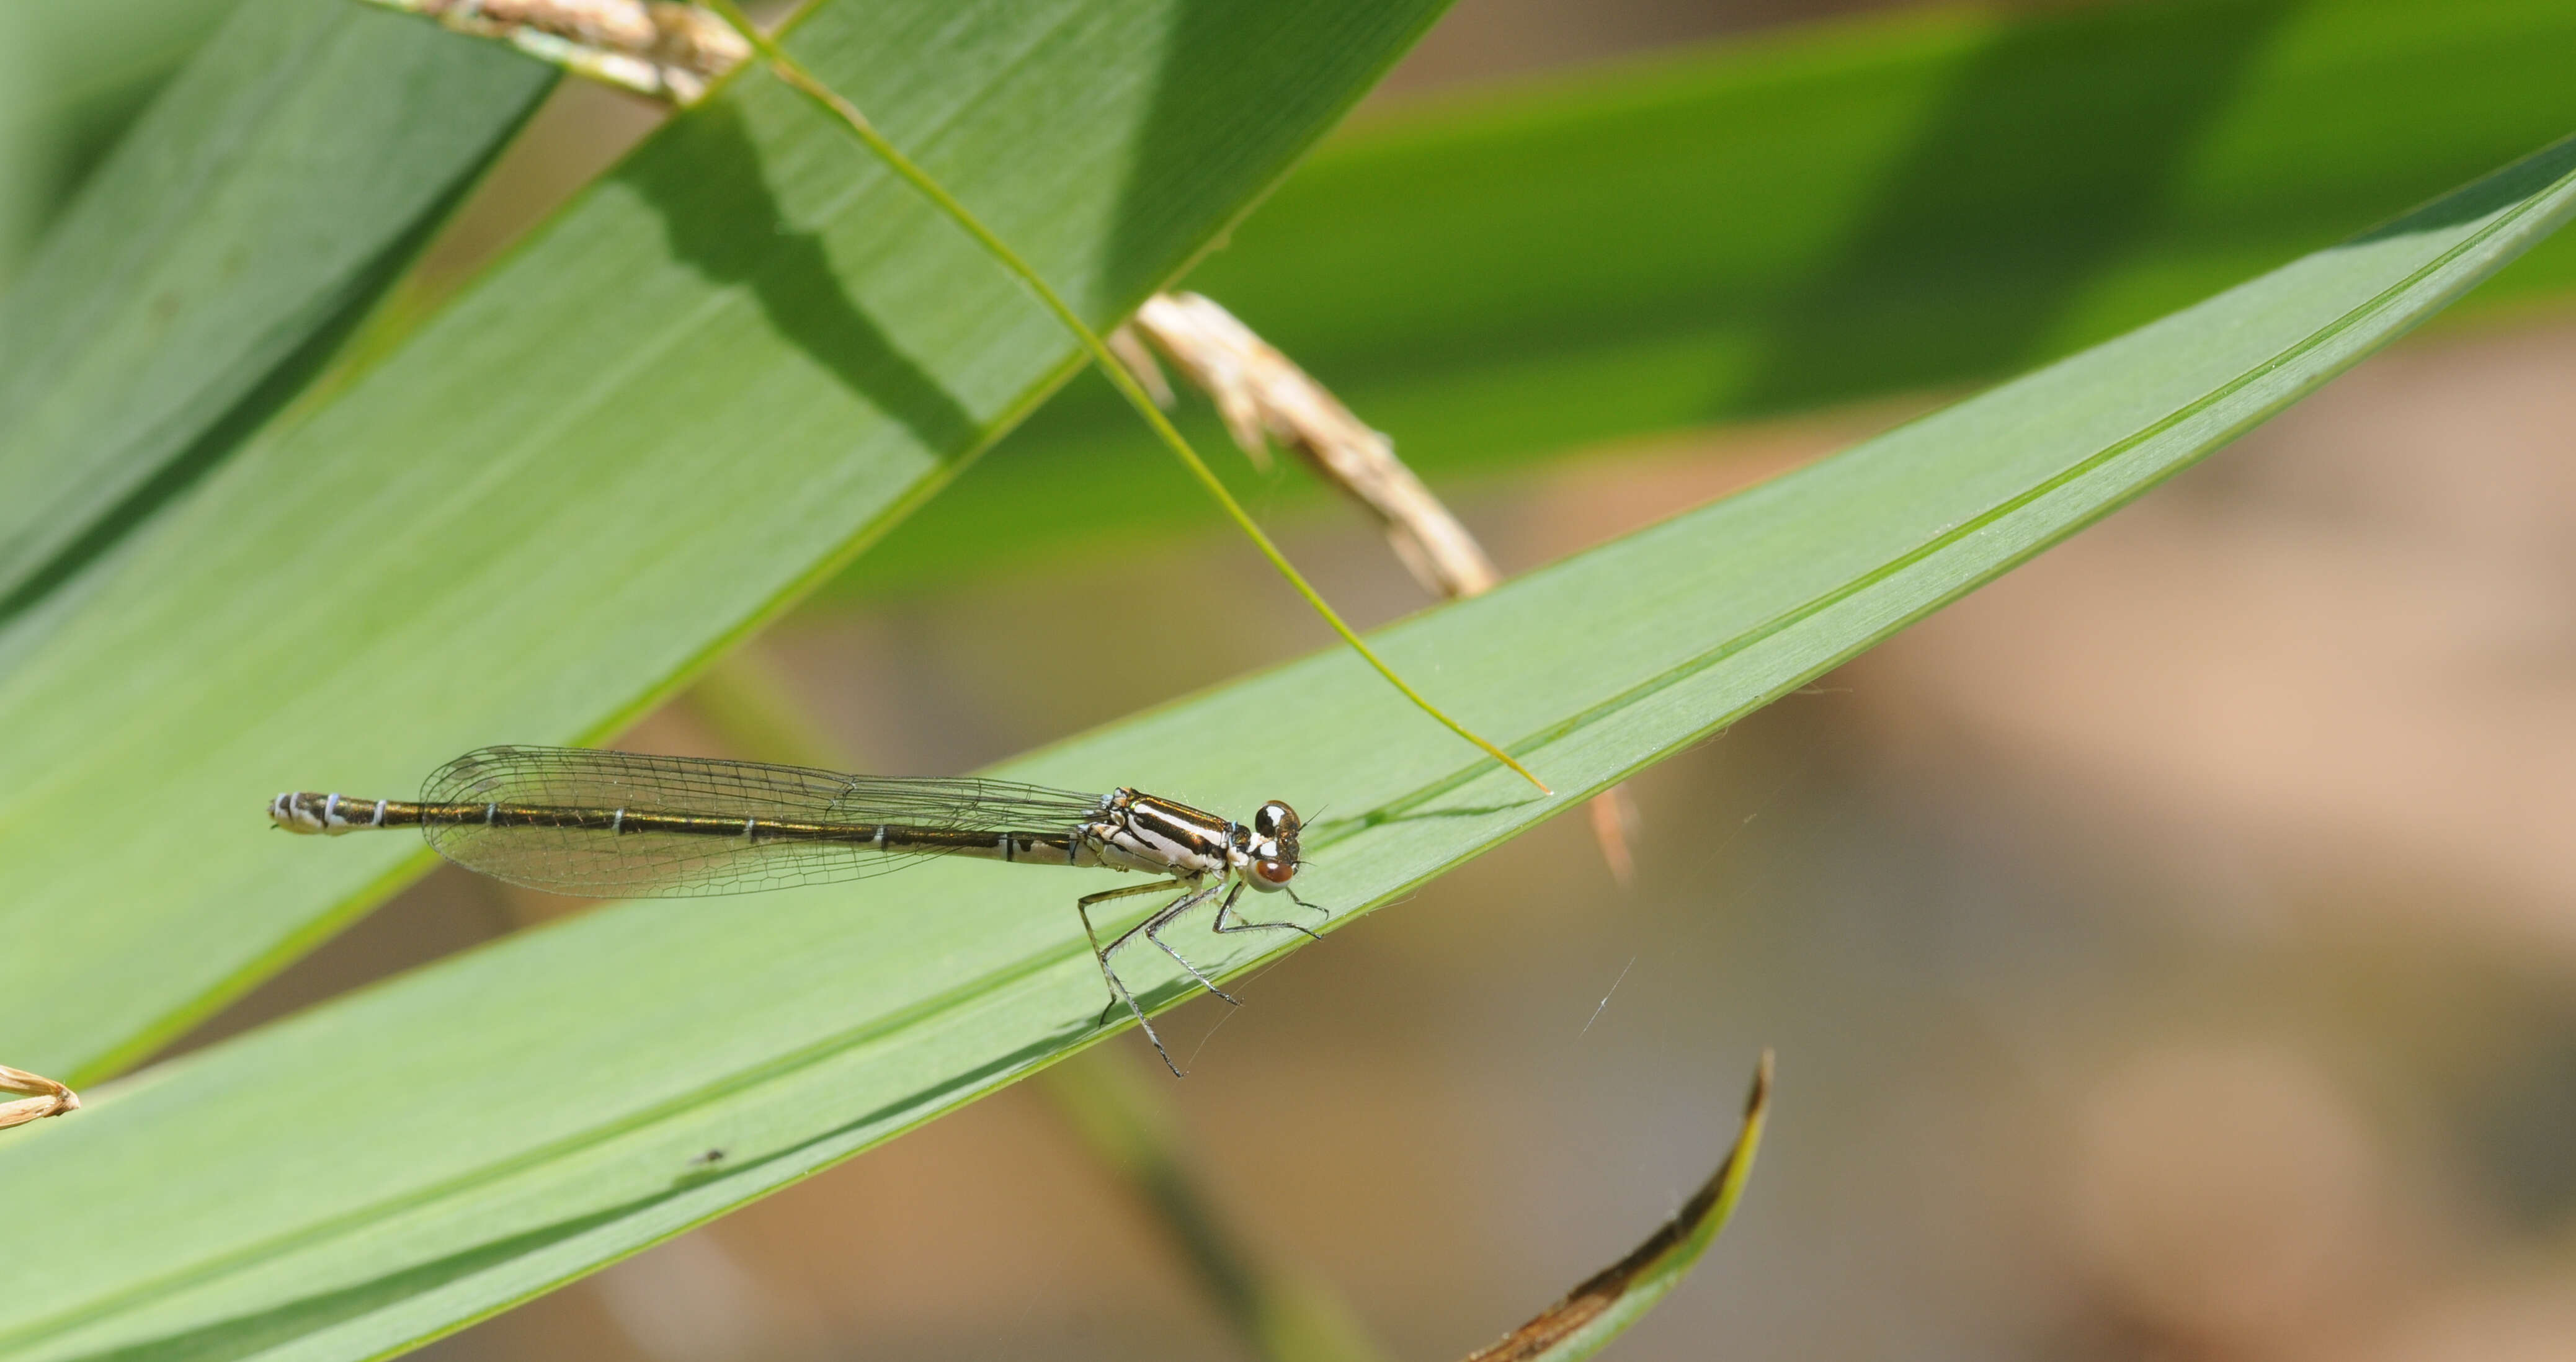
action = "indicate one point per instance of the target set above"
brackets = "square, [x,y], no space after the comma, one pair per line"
[620,824]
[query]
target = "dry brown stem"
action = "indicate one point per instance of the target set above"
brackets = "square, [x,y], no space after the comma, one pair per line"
[667,51]
[45,1097]
[1264,396]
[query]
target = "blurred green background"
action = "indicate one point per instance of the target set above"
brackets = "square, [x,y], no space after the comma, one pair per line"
[2168,948]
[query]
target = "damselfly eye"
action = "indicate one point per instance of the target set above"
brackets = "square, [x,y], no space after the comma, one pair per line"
[1276,872]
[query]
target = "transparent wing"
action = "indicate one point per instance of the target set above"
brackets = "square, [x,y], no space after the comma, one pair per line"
[570,858]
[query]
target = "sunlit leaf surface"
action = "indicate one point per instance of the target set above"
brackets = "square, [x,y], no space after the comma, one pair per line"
[407,1159]
[700,387]
[267,195]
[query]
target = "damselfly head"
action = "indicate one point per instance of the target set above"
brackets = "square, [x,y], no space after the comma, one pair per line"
[1271,859]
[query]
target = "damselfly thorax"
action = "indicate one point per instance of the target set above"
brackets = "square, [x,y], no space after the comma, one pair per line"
[621,824]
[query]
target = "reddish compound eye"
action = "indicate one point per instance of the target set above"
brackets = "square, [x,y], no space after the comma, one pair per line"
[1277,872]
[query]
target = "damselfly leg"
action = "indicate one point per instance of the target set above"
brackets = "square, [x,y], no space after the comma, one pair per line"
[1153,930]
[1226,909]
[1150,929]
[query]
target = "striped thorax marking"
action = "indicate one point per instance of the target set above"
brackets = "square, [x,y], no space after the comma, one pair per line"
[1145,832]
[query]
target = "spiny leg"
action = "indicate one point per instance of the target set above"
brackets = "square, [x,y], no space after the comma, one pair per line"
[1156,920]
[1118,991]
[1154,925]
[1082,909]
[1227,907]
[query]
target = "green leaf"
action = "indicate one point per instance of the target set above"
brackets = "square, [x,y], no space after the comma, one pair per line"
[269,193]
[1916,202]
[72,78]
[407,1159]
[701,386]
[1619,1295]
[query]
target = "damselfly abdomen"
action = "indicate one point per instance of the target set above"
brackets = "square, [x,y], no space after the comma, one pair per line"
[621,824]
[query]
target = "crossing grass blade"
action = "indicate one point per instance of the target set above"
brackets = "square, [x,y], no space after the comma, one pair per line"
[400,1162]
[1915,202]
[1106,364]
[699,388]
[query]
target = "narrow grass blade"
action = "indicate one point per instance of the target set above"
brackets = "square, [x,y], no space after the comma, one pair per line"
[1619,1295]
[413,1157]
[1106,363]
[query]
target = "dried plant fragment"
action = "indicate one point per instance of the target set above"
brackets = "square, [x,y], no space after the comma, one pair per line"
[44,1098]
[667,51]
[1262,396]
[1132,351]
[1614,816]
[1617,1296]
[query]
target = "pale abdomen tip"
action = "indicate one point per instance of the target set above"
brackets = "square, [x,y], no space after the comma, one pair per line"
[330,814]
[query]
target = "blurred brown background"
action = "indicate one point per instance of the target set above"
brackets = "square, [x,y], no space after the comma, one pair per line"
[2168,949]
